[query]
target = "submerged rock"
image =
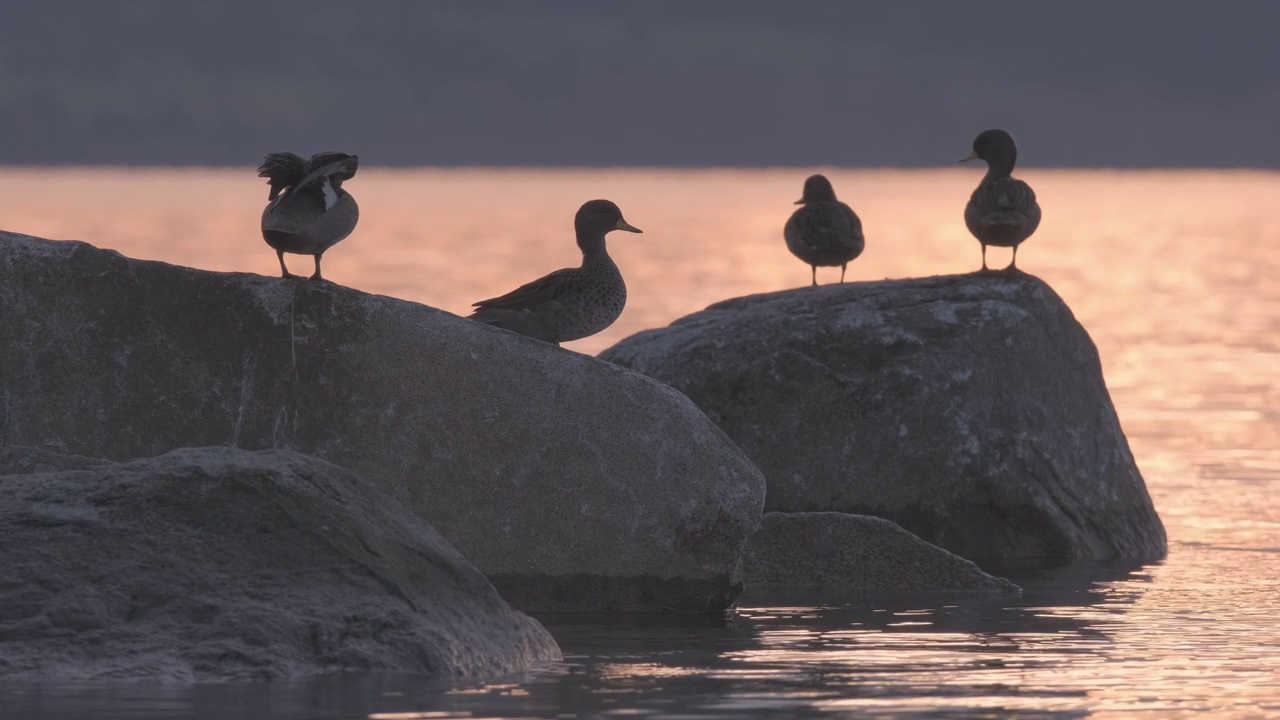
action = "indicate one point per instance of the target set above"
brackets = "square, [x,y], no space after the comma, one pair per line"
[858,551]
[215,563]
[970,410]
[572,483]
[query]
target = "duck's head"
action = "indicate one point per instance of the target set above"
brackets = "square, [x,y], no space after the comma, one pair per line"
[817,188]
[282,170]
[997,148]
[596,218]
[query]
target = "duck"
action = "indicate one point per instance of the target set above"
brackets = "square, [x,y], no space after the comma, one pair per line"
[571,303]
[825,231]
[308,211]
[1002,210]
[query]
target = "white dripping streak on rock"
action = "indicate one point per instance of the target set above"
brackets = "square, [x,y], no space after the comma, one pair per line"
[246,394]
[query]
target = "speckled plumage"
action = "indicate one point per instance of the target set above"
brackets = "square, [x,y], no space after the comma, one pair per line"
[308,210]
[1002,211]
[572,303]
[825,231]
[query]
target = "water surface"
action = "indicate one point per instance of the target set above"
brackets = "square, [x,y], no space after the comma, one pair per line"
[1173,274]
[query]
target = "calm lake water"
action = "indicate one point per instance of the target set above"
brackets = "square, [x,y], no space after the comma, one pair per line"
[1173,273]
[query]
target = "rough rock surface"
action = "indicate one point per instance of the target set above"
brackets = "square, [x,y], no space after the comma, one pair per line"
[970,410]
[572,483]
[215,563]
[859,551]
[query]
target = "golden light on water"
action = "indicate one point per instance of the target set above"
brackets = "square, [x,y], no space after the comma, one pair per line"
[448,237]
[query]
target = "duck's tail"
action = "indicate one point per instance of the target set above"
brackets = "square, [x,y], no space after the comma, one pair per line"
[282,170]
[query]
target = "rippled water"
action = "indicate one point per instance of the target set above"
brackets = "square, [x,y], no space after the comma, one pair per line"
[1173,273]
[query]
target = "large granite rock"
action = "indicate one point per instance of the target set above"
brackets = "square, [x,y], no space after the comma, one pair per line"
[572,483]
[858,551]
[970,410]
[215,563]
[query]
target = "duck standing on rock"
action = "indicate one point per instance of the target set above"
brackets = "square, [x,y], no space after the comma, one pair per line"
[825,231]
[1003,210]
[308,211]
[572,303]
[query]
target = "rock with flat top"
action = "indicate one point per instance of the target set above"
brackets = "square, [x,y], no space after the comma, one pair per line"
[572,483]
[970,410]
[216,563]
[858,551]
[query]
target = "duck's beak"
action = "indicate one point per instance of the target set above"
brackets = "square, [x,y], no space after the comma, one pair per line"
[800,201]
[973,155]
[624,225]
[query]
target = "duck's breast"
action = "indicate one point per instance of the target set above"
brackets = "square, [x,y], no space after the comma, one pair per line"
[598,306]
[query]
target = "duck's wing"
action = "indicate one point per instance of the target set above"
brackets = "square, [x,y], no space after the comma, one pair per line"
[548,288]
[855,223]
[347,164]
[327,166]
[1025,198]
[803,229]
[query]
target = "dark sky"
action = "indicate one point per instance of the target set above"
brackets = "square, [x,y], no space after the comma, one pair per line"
[906,83]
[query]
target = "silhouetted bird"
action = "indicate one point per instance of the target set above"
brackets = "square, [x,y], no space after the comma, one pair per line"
[825,231]
[572,303]
[308,212]
[1002,211]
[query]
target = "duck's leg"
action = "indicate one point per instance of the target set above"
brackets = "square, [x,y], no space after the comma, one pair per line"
[842,267]
[284,271]
[1013,265]
[984,256]
[815,275]
[317,276]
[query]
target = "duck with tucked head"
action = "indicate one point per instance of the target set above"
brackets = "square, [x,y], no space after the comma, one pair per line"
[825,231]
[572,303]
[1003,210]
[308,212]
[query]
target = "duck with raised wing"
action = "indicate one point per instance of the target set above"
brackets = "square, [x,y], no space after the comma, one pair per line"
[572,303]
[825,231]
[308,211]
[1003,210]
